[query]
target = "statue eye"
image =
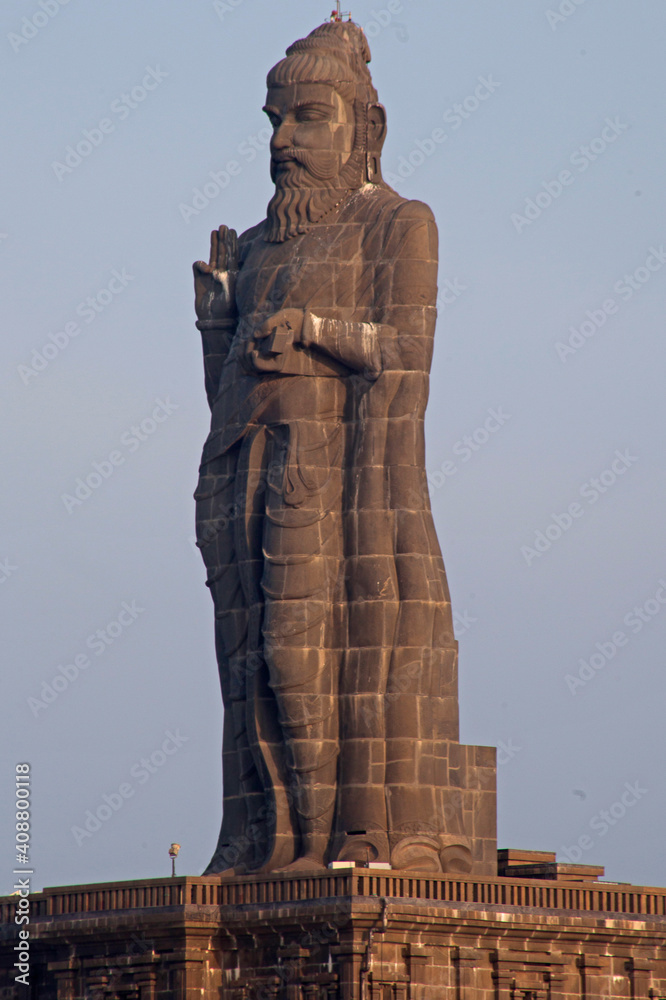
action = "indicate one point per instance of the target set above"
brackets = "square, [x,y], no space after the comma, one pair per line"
[312,115]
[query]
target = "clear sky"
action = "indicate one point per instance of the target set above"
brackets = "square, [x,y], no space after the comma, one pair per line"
[534,129]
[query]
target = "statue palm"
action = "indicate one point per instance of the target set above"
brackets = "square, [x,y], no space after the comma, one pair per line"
[215,282]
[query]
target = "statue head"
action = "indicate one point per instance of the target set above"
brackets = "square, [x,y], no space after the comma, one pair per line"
[328,126]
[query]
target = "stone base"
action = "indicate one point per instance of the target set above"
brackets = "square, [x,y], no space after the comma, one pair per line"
[354,934]
[473,777]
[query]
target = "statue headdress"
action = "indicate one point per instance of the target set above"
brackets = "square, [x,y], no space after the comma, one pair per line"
[337,52]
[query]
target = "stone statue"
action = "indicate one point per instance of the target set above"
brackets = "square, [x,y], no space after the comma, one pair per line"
[334,635]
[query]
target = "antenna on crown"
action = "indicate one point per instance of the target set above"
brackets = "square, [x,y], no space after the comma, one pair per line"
[338,14]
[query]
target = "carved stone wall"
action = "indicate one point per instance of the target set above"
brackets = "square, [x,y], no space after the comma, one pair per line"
[350,935]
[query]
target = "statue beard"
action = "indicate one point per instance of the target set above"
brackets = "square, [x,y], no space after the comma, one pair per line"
[298,204]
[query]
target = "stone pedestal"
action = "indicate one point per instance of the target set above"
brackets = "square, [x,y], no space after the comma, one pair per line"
[351,934]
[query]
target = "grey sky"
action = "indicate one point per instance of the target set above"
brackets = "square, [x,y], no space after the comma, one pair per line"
[562,111]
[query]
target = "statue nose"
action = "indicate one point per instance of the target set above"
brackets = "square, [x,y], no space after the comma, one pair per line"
[283,136]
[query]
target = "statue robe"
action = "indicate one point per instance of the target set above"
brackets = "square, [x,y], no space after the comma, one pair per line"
[334,634]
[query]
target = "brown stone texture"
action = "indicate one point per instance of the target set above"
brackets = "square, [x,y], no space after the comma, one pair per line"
[542,864]
[334,633]
[352,934]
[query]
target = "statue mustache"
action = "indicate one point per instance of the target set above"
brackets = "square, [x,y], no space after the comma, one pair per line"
[323,166]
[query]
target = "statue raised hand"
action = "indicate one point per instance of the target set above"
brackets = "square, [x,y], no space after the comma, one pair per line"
[215,282]
[215,303]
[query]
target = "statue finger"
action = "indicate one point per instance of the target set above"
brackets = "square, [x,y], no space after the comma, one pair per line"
[232,250]
[213,249]
[222,256]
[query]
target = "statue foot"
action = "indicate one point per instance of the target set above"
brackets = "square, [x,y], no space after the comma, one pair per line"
[417,853]
[456,860]
[307,863]
[219,865]
[225,871]
[364,849]
[426,854]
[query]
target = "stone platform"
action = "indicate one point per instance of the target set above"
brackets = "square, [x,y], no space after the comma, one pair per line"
[349,934]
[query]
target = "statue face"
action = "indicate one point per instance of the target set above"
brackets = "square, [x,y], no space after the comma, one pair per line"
[313,134]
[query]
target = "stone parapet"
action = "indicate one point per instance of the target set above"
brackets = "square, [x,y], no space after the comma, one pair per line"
[353,934]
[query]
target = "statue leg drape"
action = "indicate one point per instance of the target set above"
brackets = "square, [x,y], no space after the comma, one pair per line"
[301,582]
[218,510]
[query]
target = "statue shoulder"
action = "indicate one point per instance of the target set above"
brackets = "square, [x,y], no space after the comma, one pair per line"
[381,202]
[412,232]
[251,234]
[247,239]
[413,211]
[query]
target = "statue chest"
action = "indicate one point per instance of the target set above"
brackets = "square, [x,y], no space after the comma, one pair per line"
[322,269]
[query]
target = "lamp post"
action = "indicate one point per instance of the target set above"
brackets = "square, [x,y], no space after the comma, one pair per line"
[338,14]
[173,854]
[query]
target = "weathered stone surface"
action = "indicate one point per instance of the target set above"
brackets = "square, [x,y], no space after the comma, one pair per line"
[334,633]
[354,934]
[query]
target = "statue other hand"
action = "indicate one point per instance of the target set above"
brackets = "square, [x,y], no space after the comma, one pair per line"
[281,330]
[273,339]
[215,282]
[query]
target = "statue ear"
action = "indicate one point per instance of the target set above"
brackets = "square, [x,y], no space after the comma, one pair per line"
[376,119]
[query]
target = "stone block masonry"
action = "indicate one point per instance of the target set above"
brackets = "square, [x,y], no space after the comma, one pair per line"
[348,934]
